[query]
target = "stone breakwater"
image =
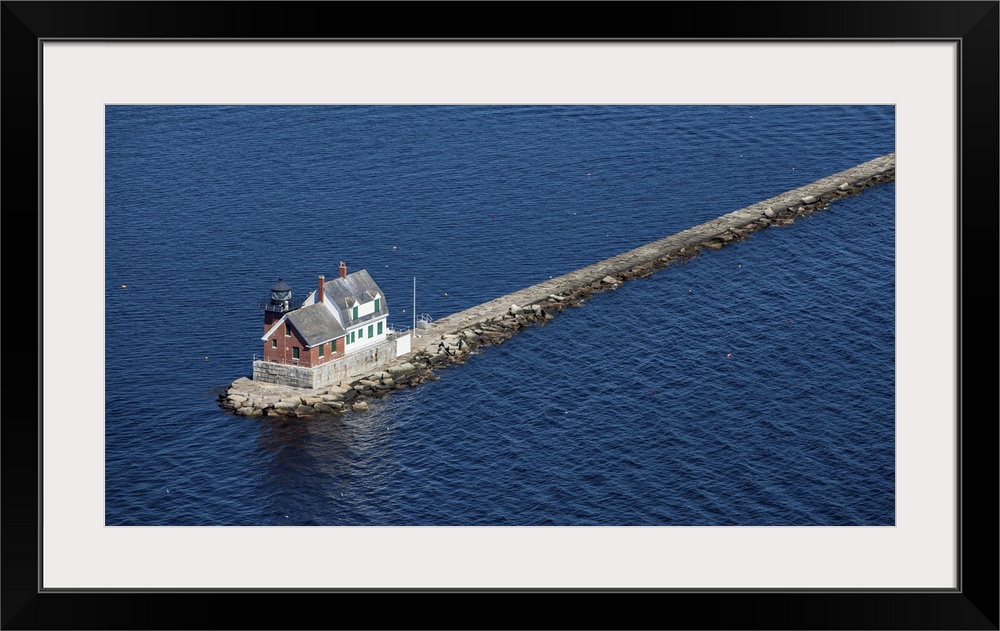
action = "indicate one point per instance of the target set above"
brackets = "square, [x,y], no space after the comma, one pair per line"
[453,339]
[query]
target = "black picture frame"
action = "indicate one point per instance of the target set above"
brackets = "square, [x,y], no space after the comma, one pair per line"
[974,605]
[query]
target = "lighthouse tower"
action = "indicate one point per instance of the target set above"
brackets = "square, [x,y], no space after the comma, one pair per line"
[278,305]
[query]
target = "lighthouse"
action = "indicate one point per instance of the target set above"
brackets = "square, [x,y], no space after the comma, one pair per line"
[278,305]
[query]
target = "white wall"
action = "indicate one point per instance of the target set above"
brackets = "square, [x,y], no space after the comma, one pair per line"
[364,342]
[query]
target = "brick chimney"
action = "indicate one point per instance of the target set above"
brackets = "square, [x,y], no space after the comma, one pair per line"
[343,270]
[319,290]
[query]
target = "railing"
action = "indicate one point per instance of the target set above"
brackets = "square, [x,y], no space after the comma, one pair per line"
[268,306]
[295,362]
[424,321]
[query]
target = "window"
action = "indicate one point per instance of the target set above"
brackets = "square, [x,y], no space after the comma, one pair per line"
[376,305]
[380,327]
[274,343]
[288,330]
[354,314]
[295,352]
[352,337]
[321,347]
[371,330]
[361,333]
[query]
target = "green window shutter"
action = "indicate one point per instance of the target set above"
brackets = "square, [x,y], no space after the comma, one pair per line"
[380,327]
[371,330]
[295,352]
[354,314]
[376,305]
[321,349]
[352,337]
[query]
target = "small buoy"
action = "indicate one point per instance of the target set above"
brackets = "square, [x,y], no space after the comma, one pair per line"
[394,247]
[729,354]
[206,356]
[654,391]
[445,294]
[123,286]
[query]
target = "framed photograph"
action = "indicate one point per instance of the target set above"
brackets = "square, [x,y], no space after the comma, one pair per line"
[766,436]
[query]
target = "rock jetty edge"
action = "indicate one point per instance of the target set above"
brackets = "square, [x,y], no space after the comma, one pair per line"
[453,339]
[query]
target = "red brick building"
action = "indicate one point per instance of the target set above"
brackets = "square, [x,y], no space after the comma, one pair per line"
[340,317]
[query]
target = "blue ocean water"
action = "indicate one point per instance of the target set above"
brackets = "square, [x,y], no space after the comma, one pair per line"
[752,386]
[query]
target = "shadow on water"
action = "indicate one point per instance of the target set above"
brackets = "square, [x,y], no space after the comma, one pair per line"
[338,468]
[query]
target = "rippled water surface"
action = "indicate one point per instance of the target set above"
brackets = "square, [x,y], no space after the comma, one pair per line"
[752,386]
